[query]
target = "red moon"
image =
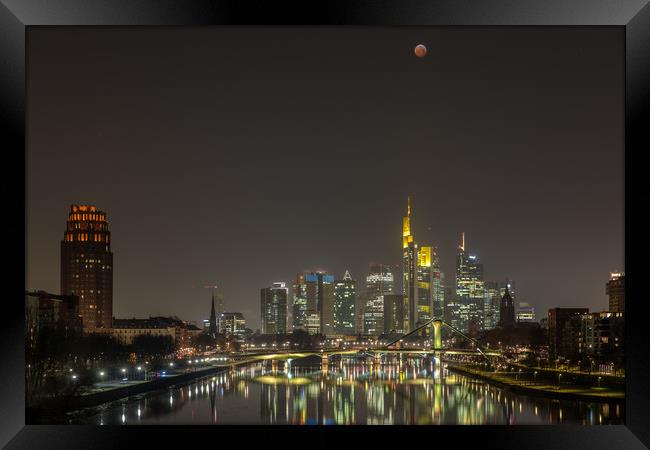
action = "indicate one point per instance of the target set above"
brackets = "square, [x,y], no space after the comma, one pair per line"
[420,51]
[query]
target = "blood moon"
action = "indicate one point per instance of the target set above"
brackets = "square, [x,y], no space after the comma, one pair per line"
[420,51]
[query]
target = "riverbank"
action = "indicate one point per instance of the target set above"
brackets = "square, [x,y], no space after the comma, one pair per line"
[542,388]
[57,408]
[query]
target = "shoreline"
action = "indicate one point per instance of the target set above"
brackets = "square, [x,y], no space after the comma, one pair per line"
[61,407]
[532,391]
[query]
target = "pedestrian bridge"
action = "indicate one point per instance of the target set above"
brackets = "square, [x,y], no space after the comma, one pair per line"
[376,353]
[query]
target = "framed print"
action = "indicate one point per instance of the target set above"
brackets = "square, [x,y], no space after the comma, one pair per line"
[393,222]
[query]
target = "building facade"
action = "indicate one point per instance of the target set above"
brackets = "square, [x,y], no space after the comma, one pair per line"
[379,283]
[615,290]
[394,313]
[470,289]
[46,310]
[125,330]
[526,313]
[410,270]
[233,324]
[492,304]
[313,302]
[274,307]
[87,266]
[345,301]
[564,329]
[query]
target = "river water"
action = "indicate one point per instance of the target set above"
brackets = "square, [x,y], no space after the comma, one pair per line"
[348,391]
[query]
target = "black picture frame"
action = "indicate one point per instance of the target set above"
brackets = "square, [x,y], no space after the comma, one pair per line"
[16,16]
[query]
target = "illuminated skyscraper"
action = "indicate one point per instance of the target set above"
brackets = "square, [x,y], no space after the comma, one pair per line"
[470,289]
[438,292]
[394,312]
[87,266]
[616,291]
[274,308]
[410,274]
[313,303]
[344,305]
[379,282]
[299,301]
[492,304]
[425,284]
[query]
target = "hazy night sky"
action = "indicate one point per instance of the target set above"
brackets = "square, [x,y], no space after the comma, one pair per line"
[242,156]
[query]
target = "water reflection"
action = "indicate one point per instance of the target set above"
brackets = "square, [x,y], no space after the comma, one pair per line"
[350,391]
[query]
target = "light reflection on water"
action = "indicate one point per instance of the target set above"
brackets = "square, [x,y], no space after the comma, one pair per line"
[348,391]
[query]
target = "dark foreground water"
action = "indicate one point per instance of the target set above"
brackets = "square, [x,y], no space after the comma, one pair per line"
[411,391]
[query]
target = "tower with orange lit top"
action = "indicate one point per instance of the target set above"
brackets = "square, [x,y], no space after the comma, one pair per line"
[87,266]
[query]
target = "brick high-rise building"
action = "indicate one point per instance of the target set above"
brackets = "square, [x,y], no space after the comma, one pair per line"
[87,266]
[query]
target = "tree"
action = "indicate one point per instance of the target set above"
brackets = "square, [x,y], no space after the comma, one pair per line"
[146,345]
[203,341]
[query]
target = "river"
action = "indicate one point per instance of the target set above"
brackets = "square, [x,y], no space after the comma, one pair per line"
[347,391]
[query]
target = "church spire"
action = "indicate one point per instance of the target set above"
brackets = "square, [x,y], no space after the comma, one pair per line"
[213,319]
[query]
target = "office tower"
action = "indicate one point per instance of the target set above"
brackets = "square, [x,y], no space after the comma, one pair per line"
[345,300]
[525,313]
[470,288]
[507,311]
[564,327]
[425,284]
[452,307]
[273,302]
[438,292]
[360,312]
[492,304]
[313,302]
[87,266]
[234,324]
[394,312]
[379,282]
[299,301]
[410,266]
[615,289]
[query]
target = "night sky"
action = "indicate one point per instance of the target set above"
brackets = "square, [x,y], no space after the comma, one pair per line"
[241,156]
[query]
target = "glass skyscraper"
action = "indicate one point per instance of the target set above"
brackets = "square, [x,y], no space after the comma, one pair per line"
[379,282]
[313,303]
[273,303]
[344,305]
[470,290]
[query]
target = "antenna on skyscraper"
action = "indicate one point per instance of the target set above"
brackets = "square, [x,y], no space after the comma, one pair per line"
[462,241]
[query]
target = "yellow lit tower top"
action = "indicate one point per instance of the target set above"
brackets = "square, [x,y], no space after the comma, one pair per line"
[406,228]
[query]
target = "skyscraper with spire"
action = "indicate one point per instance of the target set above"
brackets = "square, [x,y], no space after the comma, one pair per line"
[410,270]
[344,305]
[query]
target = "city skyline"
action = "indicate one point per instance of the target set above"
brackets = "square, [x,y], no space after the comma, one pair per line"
[542,208]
